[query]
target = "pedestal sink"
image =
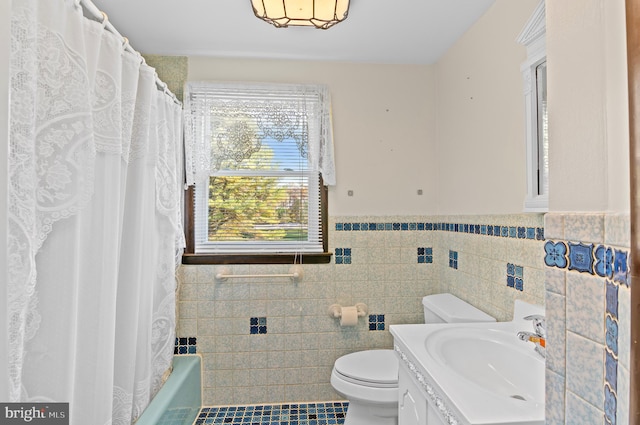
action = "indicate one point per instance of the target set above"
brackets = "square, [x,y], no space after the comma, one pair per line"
[493,359]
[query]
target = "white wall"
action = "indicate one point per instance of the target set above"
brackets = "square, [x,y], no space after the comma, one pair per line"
[383,128]
[588,110]
[454,129]
[480,116]
[5,25]
[617,108]
[589,200]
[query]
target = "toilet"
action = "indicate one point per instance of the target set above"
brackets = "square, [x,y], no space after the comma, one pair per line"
[369,379]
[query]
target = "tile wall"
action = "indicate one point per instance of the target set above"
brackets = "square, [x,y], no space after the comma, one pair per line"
[172,70]
[588,318]
[268,340]
[500,261]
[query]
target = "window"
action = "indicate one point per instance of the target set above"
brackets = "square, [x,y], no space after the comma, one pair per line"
[259,156]
[534,73]
[542,133]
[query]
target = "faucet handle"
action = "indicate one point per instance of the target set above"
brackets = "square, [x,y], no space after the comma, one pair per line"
[538,324]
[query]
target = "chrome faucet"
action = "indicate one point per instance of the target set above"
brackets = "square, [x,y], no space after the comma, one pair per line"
[539,334]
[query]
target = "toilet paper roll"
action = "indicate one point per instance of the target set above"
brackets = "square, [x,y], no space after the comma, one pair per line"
[349,316]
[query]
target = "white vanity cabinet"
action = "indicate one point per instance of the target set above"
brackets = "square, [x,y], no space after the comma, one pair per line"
[471,373]
[413,405]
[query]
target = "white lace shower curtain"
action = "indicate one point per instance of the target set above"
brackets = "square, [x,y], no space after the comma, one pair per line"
[94,220]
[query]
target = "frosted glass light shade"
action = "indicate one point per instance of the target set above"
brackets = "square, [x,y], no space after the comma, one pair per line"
[321,14]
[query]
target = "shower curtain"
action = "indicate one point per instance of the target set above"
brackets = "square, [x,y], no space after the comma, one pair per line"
[94,228]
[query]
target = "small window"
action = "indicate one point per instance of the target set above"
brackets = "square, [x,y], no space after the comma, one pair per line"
[534,74]
[259,155]
[542,134]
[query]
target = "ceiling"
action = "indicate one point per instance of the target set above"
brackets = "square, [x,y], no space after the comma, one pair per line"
[376,31]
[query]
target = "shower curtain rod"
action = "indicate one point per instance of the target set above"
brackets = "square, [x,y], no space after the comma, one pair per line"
[102,17]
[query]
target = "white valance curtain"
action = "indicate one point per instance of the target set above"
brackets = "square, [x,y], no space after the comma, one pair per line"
[94,228]
[279,111]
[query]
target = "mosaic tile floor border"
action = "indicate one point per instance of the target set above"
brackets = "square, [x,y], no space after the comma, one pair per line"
[321,413]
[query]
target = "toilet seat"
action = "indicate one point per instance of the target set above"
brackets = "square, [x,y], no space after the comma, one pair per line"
[370,368]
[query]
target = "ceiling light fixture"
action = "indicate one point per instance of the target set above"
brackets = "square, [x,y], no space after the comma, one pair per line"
[321,14]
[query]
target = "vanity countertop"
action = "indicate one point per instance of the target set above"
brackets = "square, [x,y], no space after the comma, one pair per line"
[464,395]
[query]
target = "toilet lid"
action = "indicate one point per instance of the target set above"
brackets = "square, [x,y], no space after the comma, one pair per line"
[371,366]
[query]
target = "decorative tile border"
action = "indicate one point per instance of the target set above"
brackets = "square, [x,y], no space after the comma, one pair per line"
[321,413]
[439,401]
[611,353]
[185,345]
[518,232]
[607,262]
[612,265]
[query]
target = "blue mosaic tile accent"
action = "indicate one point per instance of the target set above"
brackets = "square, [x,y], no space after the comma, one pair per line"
[257,325]
[587,258]
[611,335]
[519,232]
[185,345]
[343,256]
[555,254]
[612,300]
[276,414]
[611,264]
[425,255]
[515,277]
[376,322]
[620,269]
[610,406]
[611,369]
[453,259]
[604,261]
[580,257]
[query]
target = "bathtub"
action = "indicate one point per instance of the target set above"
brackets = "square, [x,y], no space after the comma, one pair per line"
[179,400]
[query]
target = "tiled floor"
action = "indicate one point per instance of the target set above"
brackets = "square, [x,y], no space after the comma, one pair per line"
[276,414]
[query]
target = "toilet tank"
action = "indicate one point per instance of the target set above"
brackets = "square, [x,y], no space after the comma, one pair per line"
[447,308]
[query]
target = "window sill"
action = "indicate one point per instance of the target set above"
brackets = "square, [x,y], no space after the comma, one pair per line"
[316,258]
[539,203]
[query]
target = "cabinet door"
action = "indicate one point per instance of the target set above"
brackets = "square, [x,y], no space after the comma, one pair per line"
[412,404]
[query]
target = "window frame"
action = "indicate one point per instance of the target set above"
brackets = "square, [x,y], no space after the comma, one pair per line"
[190,256]
[533,37]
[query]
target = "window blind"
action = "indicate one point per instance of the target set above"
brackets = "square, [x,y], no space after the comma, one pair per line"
[262,188]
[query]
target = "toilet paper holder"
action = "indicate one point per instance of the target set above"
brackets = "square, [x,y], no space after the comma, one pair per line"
[335,310]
